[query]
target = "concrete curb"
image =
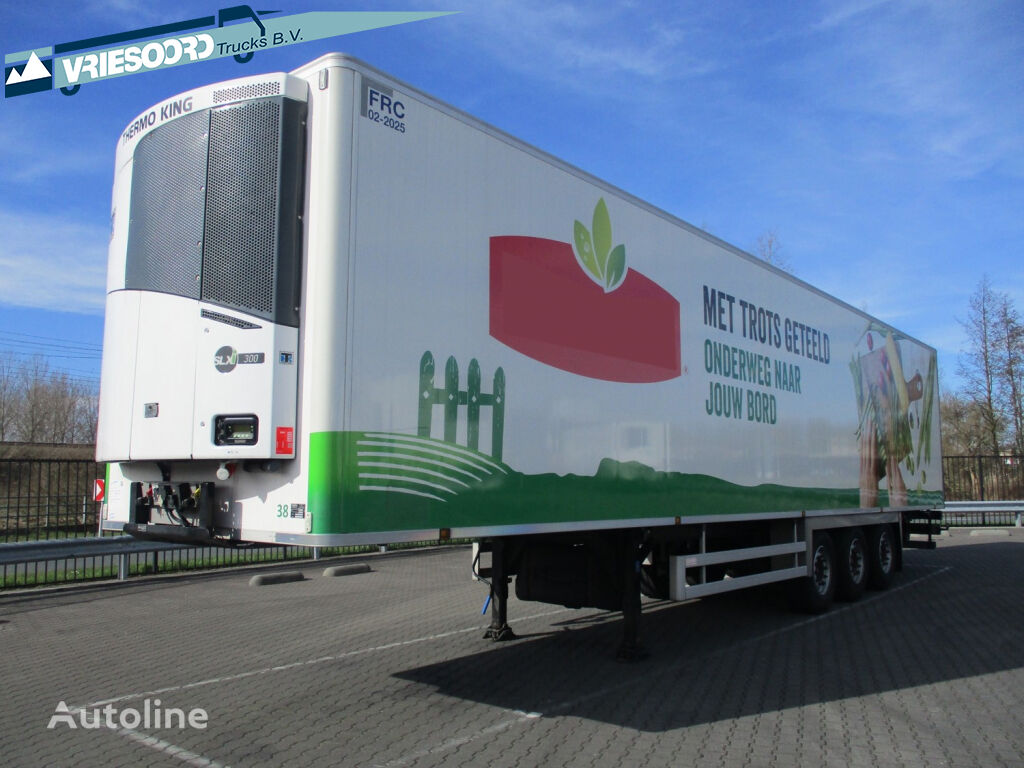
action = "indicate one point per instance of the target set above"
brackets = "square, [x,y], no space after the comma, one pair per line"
[282,577]
[347,570]
[1001,531]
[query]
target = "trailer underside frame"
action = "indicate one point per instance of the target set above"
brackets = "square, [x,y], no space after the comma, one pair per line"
[825,555]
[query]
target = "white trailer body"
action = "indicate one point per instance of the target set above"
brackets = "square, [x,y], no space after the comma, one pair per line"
[341,312]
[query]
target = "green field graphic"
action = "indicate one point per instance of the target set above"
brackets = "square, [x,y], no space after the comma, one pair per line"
[362,482]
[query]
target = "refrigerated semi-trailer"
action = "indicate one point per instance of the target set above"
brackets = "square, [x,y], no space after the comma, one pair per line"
[342,312]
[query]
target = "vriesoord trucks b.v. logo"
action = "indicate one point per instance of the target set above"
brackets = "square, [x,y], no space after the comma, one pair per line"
[238,31]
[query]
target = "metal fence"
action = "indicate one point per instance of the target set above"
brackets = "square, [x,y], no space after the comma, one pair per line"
[47,498]
[982,513]
[983,478]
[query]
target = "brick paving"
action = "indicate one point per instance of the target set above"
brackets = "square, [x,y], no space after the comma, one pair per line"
[388,668]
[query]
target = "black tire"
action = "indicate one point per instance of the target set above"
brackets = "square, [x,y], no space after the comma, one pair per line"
[881,556]
[654,581]
[851,564]
[814,593]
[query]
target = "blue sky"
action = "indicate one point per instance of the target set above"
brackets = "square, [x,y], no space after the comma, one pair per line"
[883,142]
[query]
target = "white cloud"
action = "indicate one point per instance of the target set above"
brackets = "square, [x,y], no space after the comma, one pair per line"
[50,262]
[41,168]
[843,13]
[941,78]
[588,47]
[39,152]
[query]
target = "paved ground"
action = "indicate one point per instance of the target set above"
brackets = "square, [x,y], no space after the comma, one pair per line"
[389,669]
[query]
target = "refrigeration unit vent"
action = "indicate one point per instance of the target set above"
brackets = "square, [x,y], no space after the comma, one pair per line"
[245,325]
[251,91]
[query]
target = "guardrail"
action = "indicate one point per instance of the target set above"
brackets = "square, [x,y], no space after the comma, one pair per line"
[81,549]
[54,561]
[959,513]
[59,561]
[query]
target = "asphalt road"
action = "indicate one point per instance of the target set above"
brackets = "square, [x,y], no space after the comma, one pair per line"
[389,668]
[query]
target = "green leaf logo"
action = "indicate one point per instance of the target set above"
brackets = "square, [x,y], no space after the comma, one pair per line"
[585,249]
[602,234]
[605,265]
[616,269]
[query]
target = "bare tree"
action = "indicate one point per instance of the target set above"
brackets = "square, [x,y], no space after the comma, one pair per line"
[41,405]
[8,396]
[1009,333]
[32,414]
[963,427]
[979,365]
[81,405]
[769,249]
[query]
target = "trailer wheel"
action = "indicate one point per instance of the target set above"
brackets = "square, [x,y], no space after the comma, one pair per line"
[882,556]
[654,580]
[814,593]
[852,560]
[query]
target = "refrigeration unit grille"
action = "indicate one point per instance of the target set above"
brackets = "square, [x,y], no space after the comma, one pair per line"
[241,207]
[165,228]
[216,204]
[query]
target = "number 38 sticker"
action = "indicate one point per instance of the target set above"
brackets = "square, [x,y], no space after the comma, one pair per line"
[293,511]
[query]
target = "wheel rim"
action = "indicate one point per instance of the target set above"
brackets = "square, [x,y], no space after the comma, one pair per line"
[822,570]
[884,553]
[856,561]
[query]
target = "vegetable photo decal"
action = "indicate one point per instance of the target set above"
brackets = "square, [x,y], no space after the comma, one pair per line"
[605,265]
[895,426]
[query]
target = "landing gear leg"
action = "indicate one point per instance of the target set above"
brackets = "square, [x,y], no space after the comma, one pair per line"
[499,630]
[631,555]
